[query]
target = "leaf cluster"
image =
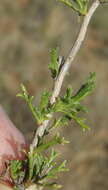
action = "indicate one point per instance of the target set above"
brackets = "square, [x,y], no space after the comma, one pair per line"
[80,6]
[41,112]
[69,105]
[54,65]
[17,173]
[41,169]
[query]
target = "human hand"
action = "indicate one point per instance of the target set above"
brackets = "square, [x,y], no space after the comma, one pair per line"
[12,144]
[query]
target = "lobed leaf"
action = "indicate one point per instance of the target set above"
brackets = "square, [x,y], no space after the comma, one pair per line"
[54,66]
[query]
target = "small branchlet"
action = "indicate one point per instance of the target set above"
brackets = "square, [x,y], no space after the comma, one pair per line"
[68,105]
[40,113]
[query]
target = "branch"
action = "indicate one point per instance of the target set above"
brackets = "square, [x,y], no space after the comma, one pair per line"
[59,81]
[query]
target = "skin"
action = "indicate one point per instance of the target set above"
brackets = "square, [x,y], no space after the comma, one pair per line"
[4,187]
[12,144]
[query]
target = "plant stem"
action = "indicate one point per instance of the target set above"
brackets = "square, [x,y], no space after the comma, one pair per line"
[64,69]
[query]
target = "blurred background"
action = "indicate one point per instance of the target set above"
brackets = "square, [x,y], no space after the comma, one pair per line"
[28,31]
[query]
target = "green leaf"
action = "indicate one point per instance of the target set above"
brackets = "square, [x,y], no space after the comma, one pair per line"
[86,88]
[49,163]
[16,169]
[54,66]
[39,113]
[54,171]
[81,122]
[68,95]
[24,94]
[56,140]
[39,163]
[59,122]
[44,100]
[52,157]
[35,162]
[80,107]
[31,165]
